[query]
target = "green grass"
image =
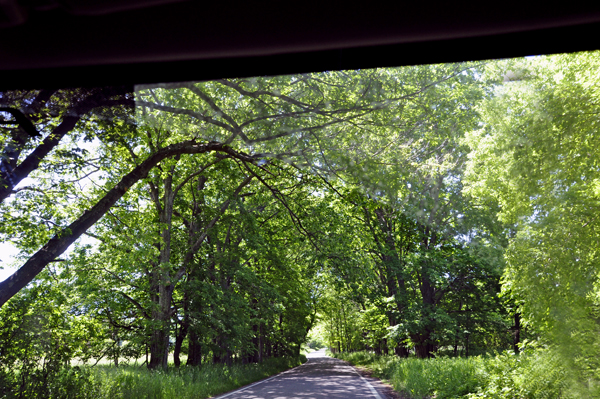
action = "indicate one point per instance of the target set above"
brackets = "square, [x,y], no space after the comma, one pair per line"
[135,381]
[185,382]
[535,375]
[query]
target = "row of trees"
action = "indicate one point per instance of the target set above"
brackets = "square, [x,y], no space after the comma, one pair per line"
[536,154]
[410,209]
[193,197]
[530,166]
[413,294]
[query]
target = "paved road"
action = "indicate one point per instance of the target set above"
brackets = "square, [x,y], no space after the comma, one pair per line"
[320,377]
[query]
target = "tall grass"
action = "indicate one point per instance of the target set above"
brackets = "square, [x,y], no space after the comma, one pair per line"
[186,382]
[537,374]
[133,381]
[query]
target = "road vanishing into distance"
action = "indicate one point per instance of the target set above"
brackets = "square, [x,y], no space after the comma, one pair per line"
[321,377]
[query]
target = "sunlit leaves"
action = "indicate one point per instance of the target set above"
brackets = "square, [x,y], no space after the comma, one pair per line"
[537,156]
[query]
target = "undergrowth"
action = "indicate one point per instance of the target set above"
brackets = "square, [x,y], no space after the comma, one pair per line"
[129,381]
[537,374]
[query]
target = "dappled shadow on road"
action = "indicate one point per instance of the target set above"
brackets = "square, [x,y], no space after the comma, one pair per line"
[321,377]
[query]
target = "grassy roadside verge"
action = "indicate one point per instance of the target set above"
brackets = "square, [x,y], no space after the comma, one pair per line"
[131,381]
[187,382]
[535,375]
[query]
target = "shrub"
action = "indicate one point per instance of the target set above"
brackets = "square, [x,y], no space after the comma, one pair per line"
[441,377]
[535,374]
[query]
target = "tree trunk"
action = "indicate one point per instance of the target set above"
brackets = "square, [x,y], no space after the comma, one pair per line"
[261,339]
[517,333]
[424,347]
[159,340]
[116,359]
[220,352]
[159,346]
[392,272]
[457,332]
[254,357]
[179,340]
[195,350]
[228,357]
[468,333]
[424,350]
[401,350]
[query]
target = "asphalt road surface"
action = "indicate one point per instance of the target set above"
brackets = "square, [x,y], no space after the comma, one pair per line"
[320,377]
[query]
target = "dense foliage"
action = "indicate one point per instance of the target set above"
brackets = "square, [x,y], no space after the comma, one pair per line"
[427,211]
[536,374]
[537,156]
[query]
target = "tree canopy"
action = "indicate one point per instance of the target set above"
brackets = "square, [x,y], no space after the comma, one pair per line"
[536,155]
[426,210]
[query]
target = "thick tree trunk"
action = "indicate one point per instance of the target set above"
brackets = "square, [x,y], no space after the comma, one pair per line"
[159,346]
[220,351]
[228,357]
[159,341]
[195,350]
[424,346]
[392,272]
[401,350]
[179,340]
[424,349]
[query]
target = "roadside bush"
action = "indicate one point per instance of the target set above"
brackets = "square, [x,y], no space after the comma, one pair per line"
[56,383]
[74,383]
[441,377]
[421,378]
[535,374]
[538,374]
[37,343]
